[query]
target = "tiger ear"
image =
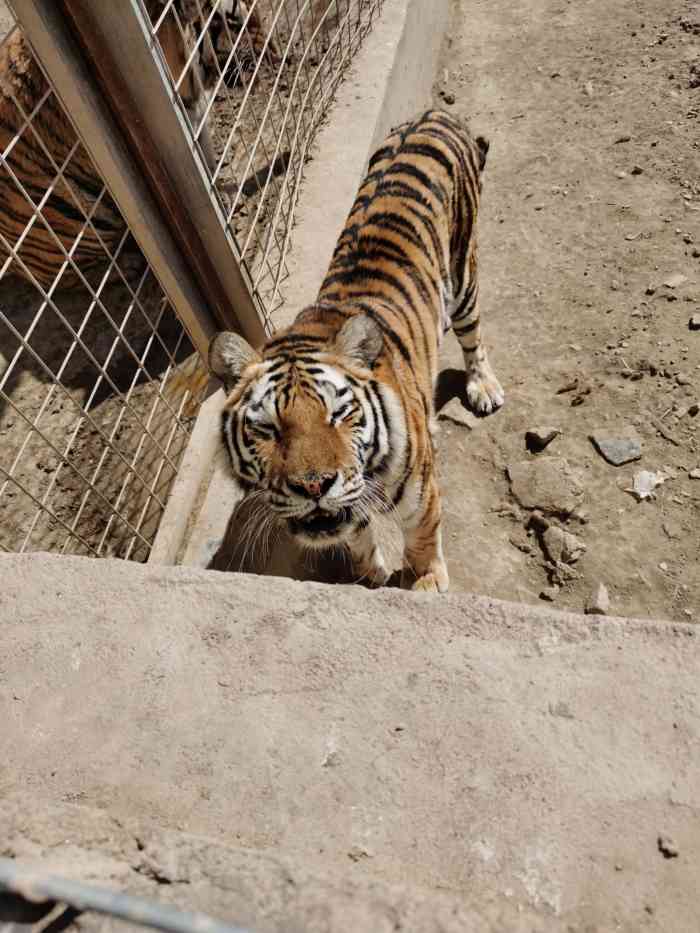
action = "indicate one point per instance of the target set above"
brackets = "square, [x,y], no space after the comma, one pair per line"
[229,355]
[483,146]
[360,338]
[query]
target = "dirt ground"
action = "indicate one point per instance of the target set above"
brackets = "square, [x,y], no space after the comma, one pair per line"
[591,203]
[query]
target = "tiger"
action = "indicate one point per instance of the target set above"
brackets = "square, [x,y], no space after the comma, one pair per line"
[332,421]
[41,164]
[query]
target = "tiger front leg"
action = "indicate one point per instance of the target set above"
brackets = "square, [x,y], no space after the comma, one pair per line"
[423,549]
[367,558]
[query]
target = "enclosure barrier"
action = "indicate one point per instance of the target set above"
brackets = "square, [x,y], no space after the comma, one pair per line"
[151,156]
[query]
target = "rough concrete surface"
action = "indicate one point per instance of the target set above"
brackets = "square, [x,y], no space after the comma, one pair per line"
[265,893]
[495,751]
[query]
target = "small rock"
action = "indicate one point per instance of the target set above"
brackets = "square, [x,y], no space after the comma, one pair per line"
[536,439]
[645,482]
[694,474]
[448,97]
[598,602]
[562,546]
[663,566]
[675,280]
[549,593]
[561,709]
[623,139]
[672,530]
[588,89]
[620,174]
[693,409]
[617,450]
[694,322]
[614,285]
[667,847]
[683,379]
[455,412]
[650,290]
[637,170]
[357,853]
[546,483]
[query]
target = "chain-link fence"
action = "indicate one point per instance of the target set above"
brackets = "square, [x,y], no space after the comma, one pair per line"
[99,380]
[94,412]
[269,69]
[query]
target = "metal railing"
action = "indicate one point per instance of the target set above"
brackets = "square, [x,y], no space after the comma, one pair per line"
[158,212]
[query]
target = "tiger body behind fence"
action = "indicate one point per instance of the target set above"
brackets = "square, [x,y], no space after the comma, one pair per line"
[330,423]
[55,211]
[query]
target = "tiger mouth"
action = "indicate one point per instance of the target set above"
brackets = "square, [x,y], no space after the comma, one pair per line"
[319,522]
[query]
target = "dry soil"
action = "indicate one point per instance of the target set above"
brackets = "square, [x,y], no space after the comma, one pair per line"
[591,203]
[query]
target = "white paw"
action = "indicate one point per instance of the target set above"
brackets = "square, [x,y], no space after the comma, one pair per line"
[376,573]
[484,391]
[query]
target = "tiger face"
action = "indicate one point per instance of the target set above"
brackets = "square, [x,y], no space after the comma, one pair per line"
[306,429]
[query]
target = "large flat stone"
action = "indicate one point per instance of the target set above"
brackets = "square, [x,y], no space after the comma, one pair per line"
[493,750]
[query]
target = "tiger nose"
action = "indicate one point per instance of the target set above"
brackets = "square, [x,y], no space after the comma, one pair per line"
[316,485]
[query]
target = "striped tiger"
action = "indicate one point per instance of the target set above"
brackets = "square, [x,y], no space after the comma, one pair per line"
[40,164]
[331,421]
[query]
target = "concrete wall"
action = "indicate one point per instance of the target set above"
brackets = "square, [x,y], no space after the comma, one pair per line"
[504,754]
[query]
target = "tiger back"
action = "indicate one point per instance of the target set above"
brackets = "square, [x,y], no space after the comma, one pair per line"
[330,423]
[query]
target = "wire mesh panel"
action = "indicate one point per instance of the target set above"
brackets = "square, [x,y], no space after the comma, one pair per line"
[268,70]
[99,383]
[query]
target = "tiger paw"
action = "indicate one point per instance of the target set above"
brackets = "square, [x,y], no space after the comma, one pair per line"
[434,581]
[484,391]
[429,583]
[375,574]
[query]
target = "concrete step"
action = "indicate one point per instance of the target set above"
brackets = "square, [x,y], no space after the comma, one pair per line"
[502,753]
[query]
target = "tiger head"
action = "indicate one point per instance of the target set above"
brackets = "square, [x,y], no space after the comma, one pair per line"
[308,427]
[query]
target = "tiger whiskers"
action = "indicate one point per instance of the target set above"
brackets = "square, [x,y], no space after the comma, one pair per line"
[255,534]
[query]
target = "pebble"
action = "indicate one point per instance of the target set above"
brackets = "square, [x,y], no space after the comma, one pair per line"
[455,412]
[675,280]
[617,450]
[598,602]
[546,483]
[615,285]
[621,174]
[694,322]
[562,546]
[637,170]
[667,846]
[536,439]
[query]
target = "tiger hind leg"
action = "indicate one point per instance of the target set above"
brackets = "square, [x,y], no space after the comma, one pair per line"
[484,392]
[423,550]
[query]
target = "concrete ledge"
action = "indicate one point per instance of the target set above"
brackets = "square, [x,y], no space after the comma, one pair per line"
[265,893]
[389,81]
[453,742]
